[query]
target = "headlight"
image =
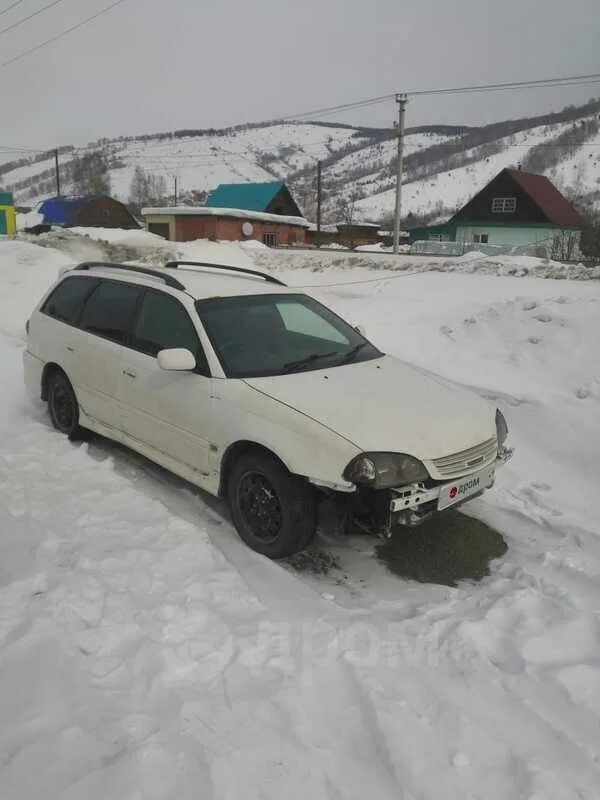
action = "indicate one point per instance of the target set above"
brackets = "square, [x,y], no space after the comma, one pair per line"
[501,427]
[384,470]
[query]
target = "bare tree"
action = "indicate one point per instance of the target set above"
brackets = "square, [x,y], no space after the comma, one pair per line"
[90,174]
[146,189]
[346,208]
[565,246]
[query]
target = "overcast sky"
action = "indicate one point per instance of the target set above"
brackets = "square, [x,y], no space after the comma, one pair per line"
[151,65]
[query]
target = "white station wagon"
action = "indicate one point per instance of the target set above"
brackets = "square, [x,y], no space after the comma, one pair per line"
[257,393]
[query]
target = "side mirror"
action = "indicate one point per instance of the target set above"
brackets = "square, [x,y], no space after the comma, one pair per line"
[361,329]
[176,359]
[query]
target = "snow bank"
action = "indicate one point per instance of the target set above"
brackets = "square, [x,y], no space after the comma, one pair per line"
[26,271]
[383,262]
[232,254]
[131,238]
[29,220]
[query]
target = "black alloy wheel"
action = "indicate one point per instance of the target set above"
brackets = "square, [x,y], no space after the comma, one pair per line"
[62,405]
[273,511]
[260,506]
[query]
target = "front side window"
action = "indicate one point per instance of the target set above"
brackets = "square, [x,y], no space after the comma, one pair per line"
[109,310]
[66,301]
[163,323]
[277,334]
[504,205]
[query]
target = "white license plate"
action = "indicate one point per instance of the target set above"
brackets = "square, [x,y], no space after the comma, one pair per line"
[463,488]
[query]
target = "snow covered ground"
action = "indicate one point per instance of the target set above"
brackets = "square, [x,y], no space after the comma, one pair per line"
[146,653]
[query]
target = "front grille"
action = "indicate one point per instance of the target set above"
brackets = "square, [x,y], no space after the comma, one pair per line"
[467,460]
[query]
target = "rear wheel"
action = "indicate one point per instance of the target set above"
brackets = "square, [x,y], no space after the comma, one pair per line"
[273,511]
[63,405]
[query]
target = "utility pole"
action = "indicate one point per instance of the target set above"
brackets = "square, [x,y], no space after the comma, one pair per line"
[402,100]
[175,192]
[57,171]
[318,204]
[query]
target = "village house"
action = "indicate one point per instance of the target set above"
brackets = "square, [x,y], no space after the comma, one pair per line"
[516,209]
[266,212]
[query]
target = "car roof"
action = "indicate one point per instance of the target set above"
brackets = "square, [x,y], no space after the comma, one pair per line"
[200,284]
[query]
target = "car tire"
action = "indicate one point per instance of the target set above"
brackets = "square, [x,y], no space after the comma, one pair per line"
[273,511]
[63,406]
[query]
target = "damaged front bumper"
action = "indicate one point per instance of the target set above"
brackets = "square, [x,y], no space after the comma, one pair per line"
[380,511]
[412,505]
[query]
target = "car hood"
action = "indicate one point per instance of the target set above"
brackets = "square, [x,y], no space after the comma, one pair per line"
[387,405]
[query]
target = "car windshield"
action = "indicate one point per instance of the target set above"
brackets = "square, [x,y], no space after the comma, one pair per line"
[277,334]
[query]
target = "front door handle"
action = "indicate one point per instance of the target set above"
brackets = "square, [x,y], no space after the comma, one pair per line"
[69,348]
[129,374]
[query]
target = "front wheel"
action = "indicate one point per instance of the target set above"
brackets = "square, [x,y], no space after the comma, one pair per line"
[273,511]
[63,405]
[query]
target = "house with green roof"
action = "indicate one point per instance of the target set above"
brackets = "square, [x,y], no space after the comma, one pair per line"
[234,212]
[269,198]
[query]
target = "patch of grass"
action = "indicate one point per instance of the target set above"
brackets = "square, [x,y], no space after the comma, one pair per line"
[446,549]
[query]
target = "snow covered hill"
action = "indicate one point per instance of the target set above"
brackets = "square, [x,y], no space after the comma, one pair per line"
[146,653]
[444,165]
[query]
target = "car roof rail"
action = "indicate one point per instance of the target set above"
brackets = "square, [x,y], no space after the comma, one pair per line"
[168,279]
[244,270]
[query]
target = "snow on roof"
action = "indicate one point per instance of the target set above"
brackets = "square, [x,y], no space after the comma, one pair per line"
[237,213]
[357,224]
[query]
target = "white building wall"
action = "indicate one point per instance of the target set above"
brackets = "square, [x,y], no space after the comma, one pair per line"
[540,239]
[507,235]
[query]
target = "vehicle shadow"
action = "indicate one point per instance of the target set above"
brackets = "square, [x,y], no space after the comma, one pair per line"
[448,548]
[133,465]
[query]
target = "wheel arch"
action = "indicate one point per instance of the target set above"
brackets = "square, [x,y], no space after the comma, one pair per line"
[234,451]
[50,369]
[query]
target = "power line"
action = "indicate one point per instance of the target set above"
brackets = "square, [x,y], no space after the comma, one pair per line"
[11,149]
[31,16]
[542,83]
[10,7]
[569,80]
[37,47]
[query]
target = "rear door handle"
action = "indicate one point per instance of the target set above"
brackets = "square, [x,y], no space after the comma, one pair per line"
[129,374]
[70,349]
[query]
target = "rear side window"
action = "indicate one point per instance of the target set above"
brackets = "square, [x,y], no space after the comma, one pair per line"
[66,301]
[109,310]
[163,323]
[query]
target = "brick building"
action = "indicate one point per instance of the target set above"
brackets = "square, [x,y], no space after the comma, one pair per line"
[186,223]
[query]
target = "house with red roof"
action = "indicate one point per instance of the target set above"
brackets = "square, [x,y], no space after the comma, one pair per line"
[517,209]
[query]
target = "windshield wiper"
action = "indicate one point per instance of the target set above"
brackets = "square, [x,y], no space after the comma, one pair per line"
[352,353]
[301,362]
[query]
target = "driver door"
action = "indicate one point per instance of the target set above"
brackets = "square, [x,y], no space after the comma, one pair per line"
[169,412]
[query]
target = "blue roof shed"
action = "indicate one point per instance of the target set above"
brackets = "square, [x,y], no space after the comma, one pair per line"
[61,210]
[89,210]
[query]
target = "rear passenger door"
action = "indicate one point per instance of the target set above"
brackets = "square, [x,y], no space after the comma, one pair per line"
[167,411]
[104,326]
